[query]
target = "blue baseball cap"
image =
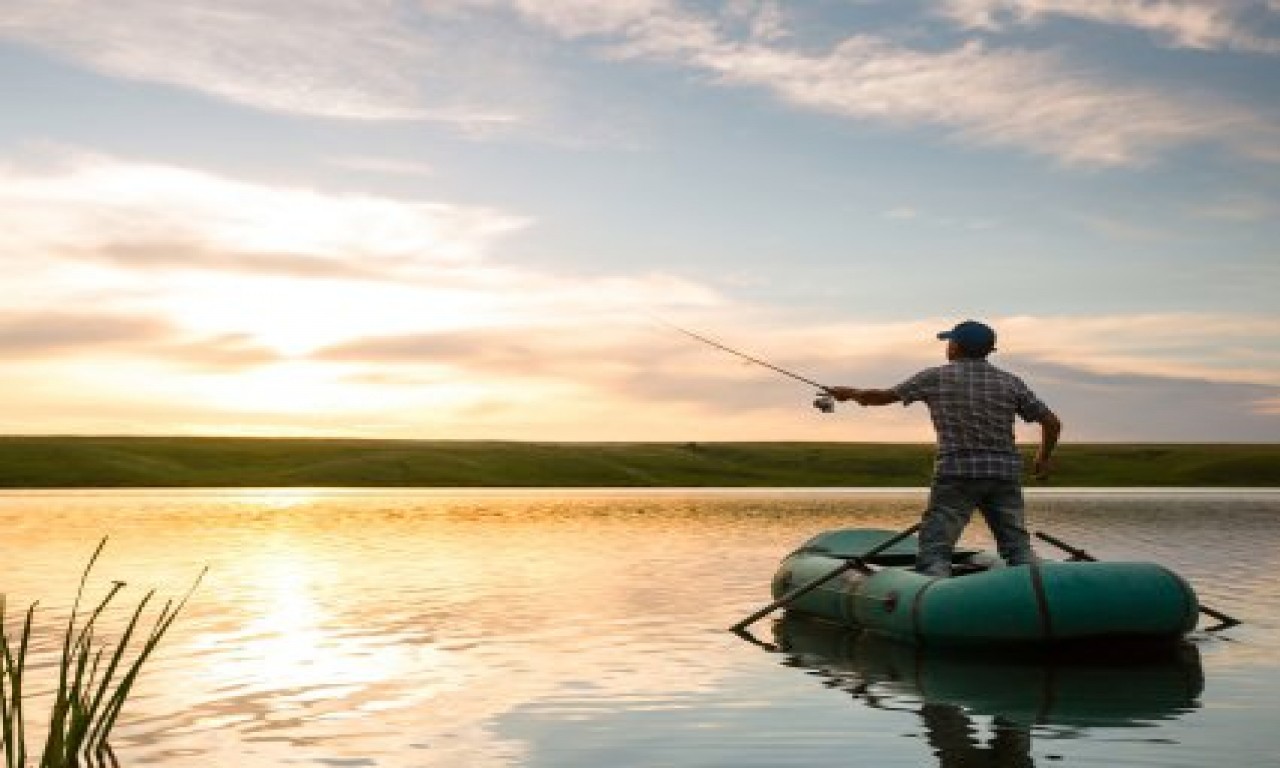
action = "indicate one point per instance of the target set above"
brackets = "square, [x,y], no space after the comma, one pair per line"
[972,336]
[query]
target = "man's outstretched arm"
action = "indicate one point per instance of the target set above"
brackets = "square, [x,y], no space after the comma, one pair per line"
[866,396]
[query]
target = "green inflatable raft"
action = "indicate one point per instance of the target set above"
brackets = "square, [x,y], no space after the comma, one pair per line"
[986,603]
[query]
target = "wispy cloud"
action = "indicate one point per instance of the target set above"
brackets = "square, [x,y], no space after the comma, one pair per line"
[155,216]
[481,64]
[997,97]
[1201,24]
[354,59]
[1221,347]
[1112,406]
[110,338]
[229,352]
[30,334]
[1032,100]
[383,165]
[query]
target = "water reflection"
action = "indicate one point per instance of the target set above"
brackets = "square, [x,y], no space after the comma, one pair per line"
[411,630]
[1062,695]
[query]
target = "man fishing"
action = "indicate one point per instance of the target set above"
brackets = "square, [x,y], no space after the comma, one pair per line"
[972,404]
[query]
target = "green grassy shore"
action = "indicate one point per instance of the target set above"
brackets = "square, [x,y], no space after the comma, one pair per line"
[190,462]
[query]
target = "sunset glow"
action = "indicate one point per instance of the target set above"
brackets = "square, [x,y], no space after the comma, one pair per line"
[441,240]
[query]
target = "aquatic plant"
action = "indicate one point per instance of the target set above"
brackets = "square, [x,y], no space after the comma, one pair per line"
[94,678]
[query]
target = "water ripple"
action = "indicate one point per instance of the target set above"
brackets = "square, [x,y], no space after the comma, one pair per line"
[378,629]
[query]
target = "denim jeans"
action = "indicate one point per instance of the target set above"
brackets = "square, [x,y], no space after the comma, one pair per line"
[951,504]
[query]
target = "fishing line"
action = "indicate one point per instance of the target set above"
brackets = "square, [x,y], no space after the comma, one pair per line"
[825,402]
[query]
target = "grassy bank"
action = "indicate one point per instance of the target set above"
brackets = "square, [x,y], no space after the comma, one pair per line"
[106,462]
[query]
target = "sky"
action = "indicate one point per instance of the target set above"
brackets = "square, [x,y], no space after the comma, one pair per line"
[465,219]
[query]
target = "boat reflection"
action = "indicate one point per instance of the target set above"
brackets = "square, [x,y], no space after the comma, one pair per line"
[1062,694]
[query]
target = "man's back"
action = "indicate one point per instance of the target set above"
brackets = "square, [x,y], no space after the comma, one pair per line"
[972,404]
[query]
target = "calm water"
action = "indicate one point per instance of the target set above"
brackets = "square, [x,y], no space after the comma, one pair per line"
[586,629]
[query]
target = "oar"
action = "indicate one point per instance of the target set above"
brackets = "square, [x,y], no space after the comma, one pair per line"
[1079,554]
[858,561]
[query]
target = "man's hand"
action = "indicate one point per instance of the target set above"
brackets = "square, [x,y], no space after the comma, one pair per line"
[1050,429]
[1043,467]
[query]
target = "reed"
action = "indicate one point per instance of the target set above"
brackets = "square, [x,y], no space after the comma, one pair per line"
[94,677]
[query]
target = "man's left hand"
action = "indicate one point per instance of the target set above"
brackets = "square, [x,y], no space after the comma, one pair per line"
[1043,467]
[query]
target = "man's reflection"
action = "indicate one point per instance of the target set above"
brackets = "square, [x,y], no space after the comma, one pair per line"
[954,738]
[949,692]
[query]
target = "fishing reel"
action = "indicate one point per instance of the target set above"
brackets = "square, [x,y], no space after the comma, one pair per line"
[825,403]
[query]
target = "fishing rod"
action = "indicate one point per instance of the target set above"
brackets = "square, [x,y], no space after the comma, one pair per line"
[824,402]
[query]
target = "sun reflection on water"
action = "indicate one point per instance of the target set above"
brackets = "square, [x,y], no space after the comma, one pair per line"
[297,654]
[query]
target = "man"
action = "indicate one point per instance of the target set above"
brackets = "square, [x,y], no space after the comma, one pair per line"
[972,404]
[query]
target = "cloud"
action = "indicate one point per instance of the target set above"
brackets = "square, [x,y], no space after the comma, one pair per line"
[576,18]
[623,349]
[1107,407]
[1031,100]
[1221,347]
[156,216]
[1200,24]
[228,352]
[24,334]
[152,223]
[514,351]
[327,58]
[351,59]
[190,254]
[106,338]
[489,65]
[996,97]
[383,165]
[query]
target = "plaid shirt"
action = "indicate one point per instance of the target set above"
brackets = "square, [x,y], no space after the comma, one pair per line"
[972,404]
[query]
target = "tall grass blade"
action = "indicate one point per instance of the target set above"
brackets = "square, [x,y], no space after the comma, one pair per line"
[88,697]
[167,616]
[6,723]
[55,748]
[93,732]
[15,688]
[80,704]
